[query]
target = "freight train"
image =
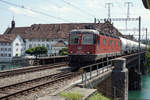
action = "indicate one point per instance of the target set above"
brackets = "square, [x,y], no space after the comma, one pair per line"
[90,45]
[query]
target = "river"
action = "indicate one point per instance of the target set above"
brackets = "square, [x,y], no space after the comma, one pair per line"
[144,93]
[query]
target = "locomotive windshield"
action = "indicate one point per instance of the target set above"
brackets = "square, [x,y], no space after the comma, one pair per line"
[74,38]
[87,39]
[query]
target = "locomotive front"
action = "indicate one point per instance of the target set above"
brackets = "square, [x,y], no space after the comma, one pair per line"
[82,46]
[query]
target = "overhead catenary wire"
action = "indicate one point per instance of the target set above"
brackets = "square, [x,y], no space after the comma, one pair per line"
[120,7]
[78,8]
[35,11]
[54,3]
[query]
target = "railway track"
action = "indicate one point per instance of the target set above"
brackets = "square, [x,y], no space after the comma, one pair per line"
[6,92]
[4,74]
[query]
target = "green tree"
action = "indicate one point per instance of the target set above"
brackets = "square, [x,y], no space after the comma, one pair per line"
[30,51]
[40,50]
[63,51]
[37,51]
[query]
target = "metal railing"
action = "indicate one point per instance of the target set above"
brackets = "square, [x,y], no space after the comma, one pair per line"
[91,71]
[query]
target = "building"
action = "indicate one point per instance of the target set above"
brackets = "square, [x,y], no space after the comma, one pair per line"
[10,45]
[57,47]
[52,36]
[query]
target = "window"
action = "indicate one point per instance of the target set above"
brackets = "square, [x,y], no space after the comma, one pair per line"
[9,49]
[109,42]
[17,49]
[74,39]
[87,39]
[30,45]
[17,44]
[9,55]
[1,54]
[104,41]
[5,49]
[118,43]
[1,49]
[47,46]
[114,43]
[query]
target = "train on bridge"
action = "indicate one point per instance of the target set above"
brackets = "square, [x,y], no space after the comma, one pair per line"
[90,45]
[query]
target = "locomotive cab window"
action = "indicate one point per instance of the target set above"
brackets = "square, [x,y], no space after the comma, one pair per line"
[74,39]
[87,39]
[96,40]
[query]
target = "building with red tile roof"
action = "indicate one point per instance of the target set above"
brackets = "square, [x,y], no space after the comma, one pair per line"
[50,35]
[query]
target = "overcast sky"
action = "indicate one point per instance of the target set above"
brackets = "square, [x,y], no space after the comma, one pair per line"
[71,11]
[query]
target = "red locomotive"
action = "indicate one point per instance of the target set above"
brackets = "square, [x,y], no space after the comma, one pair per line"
[89,45]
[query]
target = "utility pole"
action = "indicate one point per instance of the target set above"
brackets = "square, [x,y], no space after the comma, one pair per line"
[139,49]
[128,10]
[146,38]
[108,5]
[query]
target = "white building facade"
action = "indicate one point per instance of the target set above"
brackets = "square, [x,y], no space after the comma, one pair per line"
[16,46]
[10,47]
[49,43]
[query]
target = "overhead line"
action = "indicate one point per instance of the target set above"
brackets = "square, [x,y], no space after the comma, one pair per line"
[83,11]
[120,7]
[39,12]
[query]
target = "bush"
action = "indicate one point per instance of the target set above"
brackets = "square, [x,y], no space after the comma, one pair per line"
[37,51]
[98,96]
[16,54]
[63,51]
[72,95]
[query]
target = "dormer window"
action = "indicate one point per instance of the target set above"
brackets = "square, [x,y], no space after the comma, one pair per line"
[17,44]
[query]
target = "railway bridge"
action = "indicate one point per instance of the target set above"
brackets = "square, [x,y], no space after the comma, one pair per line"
[114,77]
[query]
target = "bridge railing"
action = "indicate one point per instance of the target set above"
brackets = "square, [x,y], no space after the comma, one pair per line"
[91,71]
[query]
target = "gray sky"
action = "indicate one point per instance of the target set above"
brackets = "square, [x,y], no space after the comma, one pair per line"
[69,11]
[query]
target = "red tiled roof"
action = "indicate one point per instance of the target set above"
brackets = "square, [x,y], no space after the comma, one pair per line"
[7,38]
[16,30]
[54,31]
[59,44]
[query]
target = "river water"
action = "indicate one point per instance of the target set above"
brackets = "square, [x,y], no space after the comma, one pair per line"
[144,94]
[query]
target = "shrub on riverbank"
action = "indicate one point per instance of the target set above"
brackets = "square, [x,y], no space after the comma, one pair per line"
[98,96]
[72,95]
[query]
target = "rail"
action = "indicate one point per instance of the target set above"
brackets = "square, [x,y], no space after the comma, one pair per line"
[8,73]
[8,91]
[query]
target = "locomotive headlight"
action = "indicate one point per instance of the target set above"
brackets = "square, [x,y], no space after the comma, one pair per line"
[88,52]
[71,51]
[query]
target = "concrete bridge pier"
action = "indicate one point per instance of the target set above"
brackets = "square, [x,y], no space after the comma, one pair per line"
[120,79]
[143,67]
[135,79]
